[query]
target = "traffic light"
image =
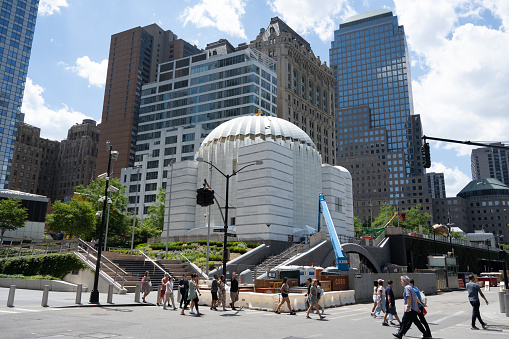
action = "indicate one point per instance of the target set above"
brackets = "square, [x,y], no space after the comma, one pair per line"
[426,158]
[204,196]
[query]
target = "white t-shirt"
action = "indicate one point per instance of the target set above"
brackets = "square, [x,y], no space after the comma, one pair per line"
[169,287]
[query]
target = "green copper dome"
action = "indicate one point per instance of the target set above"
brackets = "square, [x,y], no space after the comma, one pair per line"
[483,187]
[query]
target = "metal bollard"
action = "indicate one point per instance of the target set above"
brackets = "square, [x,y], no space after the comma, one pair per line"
[137,293]
[506,303]
[45,293]
[78,293]
[10,299]
[501,301]
[110,294]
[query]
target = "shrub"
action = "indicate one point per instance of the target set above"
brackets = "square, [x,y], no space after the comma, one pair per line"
[57,265]
[237,250]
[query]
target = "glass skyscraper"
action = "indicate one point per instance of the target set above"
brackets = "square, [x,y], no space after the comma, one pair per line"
[17,25]
[377,133]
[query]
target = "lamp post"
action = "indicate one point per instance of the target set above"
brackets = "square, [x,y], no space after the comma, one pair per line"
[227,176]
[137,168]
[169,206]
[94,295]
[114,189]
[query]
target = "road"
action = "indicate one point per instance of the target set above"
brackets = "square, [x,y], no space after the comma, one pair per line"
[448,317]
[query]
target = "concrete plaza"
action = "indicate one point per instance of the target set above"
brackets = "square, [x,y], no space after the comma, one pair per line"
[448,317]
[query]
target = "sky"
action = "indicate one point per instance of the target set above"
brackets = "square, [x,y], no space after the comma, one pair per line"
[459,54]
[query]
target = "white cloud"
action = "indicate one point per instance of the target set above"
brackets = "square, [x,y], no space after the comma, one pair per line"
[224,15]
[463,93]
[306,16]
[53,123]
[455,180]
[49,7]
[94,72]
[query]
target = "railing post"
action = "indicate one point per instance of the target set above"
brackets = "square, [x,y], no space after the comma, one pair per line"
[47,245]
[78,293]
[61,243]
[123,279]
[10,299]
[20,248]
[45,293]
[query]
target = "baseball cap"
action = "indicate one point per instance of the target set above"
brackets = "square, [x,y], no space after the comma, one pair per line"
[380,280]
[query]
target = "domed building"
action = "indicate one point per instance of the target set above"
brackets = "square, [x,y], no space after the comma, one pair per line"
[274,198]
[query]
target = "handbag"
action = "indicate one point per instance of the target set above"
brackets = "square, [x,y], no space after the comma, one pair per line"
[424,312]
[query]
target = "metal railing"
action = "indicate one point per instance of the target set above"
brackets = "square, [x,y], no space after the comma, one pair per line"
[86,252]
[413,233]
[154,263]
[16,247]
[194,267]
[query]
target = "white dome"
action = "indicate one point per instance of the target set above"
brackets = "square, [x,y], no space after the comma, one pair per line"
[269,127]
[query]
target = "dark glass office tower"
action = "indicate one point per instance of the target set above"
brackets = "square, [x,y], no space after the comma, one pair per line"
[377,133]
[17,25]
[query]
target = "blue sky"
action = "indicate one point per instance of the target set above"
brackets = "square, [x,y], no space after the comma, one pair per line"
[458,50]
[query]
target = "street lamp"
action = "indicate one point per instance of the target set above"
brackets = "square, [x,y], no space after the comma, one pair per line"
[137,169]
[227,176]
[94,295]
[169,206]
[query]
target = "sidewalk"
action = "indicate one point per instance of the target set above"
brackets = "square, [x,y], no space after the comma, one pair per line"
[491,313]
[33,299]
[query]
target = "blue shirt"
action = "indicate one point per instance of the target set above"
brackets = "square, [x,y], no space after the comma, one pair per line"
[408,291]
[473,291]
[418,295]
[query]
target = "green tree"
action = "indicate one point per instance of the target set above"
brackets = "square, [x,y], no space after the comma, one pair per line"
[12,215]
[119,226]
[414,218]
[75,219]
[154,224]
[357,224]
[385,214]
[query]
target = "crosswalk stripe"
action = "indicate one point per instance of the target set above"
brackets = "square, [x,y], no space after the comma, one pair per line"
[450,316]
[3,311]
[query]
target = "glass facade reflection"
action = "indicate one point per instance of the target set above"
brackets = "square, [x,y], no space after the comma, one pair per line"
[377,133]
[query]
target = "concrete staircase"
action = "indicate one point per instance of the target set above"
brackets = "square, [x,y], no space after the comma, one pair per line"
[272,261]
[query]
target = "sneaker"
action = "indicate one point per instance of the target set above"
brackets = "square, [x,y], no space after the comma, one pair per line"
[484,326]
[475,327]
[392,323]
[192,312]
[397,335]
[385,324]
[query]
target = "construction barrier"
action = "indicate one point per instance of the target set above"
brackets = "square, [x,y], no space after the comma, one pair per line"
[462,284]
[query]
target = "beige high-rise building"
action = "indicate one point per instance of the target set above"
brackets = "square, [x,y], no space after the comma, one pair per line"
[305,85]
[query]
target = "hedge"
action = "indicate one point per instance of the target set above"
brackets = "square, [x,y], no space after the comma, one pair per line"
[56,265]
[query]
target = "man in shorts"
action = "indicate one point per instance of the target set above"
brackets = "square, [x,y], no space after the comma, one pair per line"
[391,305]
[213,291]
[234,291]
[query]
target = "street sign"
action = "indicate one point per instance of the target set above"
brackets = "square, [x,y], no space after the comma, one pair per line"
[218,230]
[231,235]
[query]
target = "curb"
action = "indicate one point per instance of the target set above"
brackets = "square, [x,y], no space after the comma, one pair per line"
[104,305]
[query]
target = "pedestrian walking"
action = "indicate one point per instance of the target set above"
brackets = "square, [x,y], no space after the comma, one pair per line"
[221,292]
[213,290]
[234,291]
[390,302]
[410,315]
[285,292]
[309,283]
[164,280]
[183,290]
[169,294]
[473,296]
[313,300]
[192,295]
[380,307]
[420,305]
[146,285]
[375,298]
[319,296]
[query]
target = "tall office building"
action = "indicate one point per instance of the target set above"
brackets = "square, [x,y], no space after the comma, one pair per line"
[487,162]
[77,158]
[378,136]
[190,98]
[305,87]
[436,185]
[133,59]
[17,25]
[34,163]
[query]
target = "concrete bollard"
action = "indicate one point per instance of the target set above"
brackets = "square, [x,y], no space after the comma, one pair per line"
[501,301]
[137,293]
[110,294]
[507,304]
[10,299]
[45,293]
[78,293]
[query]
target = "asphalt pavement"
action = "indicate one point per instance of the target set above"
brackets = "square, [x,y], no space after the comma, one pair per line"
[448,316]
